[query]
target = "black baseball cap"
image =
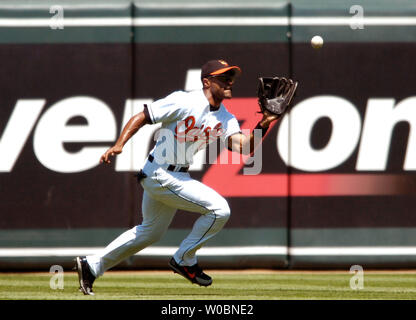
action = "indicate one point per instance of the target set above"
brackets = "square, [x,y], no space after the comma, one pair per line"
[215,67]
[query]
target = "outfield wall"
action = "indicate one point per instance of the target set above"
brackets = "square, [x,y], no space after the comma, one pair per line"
[337,186]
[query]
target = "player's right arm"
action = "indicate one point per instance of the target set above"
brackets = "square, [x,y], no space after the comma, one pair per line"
[132,126]
[163,110]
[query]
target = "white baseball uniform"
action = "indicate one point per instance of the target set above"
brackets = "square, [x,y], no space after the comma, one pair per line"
[188,125]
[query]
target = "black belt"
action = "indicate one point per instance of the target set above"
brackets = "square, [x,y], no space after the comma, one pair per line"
[171,167]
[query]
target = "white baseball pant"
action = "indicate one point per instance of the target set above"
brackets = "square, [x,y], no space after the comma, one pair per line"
[164,193]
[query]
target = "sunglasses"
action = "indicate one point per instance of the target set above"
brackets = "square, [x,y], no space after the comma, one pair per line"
[224,78]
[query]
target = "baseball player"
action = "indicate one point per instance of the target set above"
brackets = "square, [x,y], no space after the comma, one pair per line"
[190,120]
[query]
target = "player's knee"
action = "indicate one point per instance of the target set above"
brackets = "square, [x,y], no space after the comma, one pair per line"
[156,236]
[148,236]
[224,211]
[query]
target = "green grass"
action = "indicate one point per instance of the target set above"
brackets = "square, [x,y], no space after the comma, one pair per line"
[236,285]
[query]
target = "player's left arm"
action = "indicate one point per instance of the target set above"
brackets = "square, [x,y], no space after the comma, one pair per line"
[244,144]
[274,97]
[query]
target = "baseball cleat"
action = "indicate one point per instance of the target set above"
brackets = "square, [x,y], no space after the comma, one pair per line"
[192,273]
[85,277]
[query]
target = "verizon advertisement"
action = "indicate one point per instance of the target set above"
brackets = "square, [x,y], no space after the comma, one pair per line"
[344,157]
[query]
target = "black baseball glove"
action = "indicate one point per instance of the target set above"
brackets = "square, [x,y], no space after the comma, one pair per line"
[275,94]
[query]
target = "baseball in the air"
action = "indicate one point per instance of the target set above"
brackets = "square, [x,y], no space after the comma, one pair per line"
[317,42]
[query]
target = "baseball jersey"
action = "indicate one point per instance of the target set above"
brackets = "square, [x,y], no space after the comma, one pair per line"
[188,125]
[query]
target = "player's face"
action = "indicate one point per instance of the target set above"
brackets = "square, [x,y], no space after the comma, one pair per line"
[221,86]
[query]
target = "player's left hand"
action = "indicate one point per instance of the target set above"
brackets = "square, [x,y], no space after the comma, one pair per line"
[114,150]
[275,96]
